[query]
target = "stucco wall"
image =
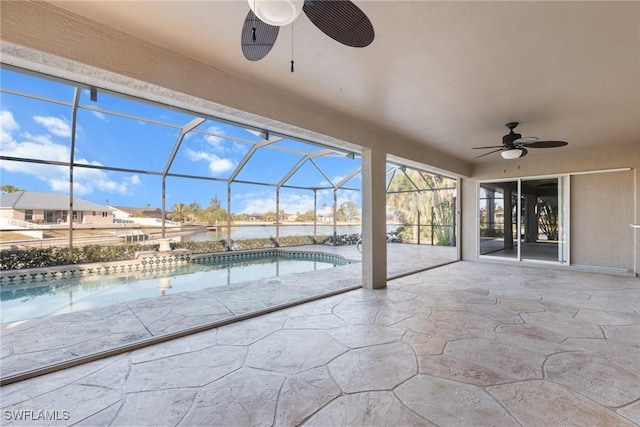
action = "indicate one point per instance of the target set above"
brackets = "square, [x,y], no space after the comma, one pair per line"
[601,211]
[12,213]
[602,205]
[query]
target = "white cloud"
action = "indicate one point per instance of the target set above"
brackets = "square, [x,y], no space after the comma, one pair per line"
[217,165]
[265,201]
[214,141]
[98,115]
[325,183]
[214,144]
[57,177]
[31,146]
[260,205]
[8,125]
[336,180]
[349,196]
[353,182]
[240,147]
[220,144]
[54,125]
[326,193]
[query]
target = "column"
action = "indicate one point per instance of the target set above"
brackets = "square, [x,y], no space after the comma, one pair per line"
[374,219]
[531,219]
[508,218]
[278,214]
[315,215]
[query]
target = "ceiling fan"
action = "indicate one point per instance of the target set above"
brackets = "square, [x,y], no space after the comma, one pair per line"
[515,146]
[341,20]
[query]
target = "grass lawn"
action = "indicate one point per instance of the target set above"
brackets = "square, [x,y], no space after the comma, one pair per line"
[12,235]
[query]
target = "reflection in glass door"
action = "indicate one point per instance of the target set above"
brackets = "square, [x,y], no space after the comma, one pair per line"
[540,218]
[498,219]
[525,219]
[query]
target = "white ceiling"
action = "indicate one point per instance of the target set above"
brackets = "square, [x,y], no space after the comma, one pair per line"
[447,74]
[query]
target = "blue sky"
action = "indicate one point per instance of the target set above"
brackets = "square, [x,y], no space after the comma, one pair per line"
[33,128]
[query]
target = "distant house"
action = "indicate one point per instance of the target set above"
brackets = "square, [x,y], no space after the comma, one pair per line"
[146,216]
[129,212]
[325,215]
[51,208]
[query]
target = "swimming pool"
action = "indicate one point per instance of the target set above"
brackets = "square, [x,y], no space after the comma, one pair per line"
[30,298]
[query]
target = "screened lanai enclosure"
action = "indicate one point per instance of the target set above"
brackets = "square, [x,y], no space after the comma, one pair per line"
[109,144]
[96,184]
[150,170]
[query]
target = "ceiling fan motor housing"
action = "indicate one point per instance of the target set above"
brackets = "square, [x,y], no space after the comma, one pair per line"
[508,139]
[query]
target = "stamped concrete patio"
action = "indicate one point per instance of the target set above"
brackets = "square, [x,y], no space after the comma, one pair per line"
[463,344]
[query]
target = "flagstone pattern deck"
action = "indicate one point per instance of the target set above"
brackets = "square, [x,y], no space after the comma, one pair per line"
[464,344]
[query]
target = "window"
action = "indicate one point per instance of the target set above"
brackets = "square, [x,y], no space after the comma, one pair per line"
[28,215]
[105,214]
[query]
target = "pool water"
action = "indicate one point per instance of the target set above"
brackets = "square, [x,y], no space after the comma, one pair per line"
[29,299]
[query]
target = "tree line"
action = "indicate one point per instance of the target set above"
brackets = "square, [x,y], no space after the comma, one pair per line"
[214,213]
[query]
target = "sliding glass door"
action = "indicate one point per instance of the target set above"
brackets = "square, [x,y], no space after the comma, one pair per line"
[524,219]
[498,219]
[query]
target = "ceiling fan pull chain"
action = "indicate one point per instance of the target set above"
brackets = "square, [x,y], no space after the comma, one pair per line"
[253,30]
[292,47]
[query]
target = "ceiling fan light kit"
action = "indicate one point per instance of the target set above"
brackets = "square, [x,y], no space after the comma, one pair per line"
[511,154]
[276,12]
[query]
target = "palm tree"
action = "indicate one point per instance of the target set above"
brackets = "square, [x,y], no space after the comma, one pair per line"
[179,212]
[194,210]
[443,193]
[424,198]
[548,216]
[406,202]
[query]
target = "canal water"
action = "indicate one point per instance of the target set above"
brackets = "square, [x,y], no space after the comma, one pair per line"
[266,231]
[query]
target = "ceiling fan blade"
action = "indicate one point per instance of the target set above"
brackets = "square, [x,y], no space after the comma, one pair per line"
[486,154]
[341,20]
[525,140]
[545,144]
[491,146]
[256,44]
[524,152]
